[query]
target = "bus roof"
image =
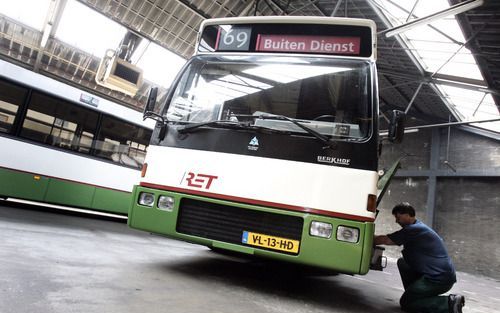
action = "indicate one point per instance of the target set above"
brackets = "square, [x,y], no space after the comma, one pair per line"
[290,20]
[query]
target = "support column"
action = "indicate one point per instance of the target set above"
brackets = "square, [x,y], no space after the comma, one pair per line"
[432,180]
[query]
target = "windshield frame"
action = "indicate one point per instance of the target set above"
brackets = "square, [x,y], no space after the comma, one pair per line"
[202,60]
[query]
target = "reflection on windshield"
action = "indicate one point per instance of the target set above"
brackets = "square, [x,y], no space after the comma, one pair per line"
[331,98]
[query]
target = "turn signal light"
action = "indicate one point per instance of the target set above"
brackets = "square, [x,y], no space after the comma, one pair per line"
[144,169]
[371,204]
[348,234]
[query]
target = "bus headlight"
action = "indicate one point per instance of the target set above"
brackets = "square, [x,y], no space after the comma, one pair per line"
[349,234]
[320,229]
[147,199]
[166,203]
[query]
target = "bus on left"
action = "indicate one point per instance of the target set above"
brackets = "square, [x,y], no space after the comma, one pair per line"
[62,146]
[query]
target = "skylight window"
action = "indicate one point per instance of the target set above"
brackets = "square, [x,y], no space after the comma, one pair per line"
[159,65]
[28,12]
[88,30]
[436,49]
[439,48]
[473,106]
[94,33]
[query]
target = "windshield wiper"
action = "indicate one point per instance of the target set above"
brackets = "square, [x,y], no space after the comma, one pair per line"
[238,124]
[229,124]
[224,123]
[309,130]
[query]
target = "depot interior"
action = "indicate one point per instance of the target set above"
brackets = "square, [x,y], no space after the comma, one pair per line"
[440,66]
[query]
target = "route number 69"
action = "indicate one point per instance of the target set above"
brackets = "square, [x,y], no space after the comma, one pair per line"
[234,39]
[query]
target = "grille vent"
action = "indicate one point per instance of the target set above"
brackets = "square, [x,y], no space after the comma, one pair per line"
[227,223]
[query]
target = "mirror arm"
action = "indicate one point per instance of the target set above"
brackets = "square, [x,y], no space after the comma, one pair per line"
[150,105]
[155,116]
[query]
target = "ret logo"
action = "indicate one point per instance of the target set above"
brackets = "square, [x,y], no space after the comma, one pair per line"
[203,181]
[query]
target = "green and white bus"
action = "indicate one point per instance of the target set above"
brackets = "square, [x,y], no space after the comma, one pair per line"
[65,147]
[267,143]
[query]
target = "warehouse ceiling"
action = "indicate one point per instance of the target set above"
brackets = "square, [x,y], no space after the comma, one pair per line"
[409,80]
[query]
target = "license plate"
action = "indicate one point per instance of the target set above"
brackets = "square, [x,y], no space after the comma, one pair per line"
[270,242]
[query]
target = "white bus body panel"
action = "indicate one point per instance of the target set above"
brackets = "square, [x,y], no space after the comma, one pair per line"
[32,158]
[290,183]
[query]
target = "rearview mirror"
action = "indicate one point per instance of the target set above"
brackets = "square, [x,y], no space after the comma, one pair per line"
[150,104]
[149,108]
[397,126]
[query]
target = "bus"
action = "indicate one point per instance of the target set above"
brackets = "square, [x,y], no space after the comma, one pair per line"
[62,146]
[267,144]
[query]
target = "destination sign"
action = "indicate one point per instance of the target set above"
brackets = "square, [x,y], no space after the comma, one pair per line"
[308,44]
[318,39]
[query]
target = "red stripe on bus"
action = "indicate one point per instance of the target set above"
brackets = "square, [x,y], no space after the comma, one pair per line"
[259,202]
[258,40]
[217,40]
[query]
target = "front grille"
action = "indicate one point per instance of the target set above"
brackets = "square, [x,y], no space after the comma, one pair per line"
[227,223]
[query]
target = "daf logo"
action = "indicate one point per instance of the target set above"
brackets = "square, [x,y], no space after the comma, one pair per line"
[333,160]
[253,144]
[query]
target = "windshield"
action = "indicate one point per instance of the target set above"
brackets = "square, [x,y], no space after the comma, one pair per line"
[330,96]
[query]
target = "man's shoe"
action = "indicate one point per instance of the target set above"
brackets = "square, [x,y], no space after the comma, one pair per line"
[456,303]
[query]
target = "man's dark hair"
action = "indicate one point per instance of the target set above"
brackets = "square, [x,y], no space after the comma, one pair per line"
[404,208]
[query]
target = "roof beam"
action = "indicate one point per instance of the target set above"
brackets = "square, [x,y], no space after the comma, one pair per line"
[269,2]
[410,14]
[283,10]
[248,8]
[413,98]
[313,2]
[453,124]
[401,42]
[448,173]
[453,10]
[337,7]
[462,82]
[480,131]
[52,19]
[193,9]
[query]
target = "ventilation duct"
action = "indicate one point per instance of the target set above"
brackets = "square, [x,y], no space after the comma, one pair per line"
[117,74]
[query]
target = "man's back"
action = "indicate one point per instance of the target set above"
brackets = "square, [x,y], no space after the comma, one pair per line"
[425,252]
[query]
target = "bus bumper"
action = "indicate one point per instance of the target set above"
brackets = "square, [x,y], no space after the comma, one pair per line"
[255,230]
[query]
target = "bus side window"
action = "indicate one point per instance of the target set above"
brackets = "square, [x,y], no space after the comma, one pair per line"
[58,123]
[11,97]
[122,142]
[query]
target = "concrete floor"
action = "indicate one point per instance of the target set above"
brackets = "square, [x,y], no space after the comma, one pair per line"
[54,262]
